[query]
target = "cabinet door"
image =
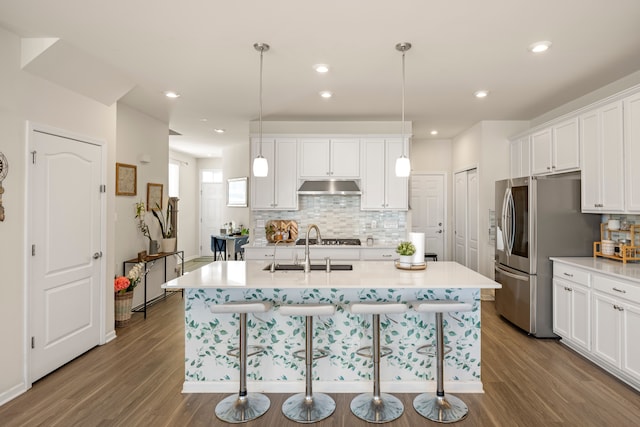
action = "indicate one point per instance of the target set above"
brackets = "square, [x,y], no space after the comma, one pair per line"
[396,188]
[591,179]
[286,174]
[612,154]
[314,158]
[262,190]
[630,342]
[562,308]
[541,152]
[345,158]
[566,146]
[632,152]
[373,174]
[581,316]
[606,329]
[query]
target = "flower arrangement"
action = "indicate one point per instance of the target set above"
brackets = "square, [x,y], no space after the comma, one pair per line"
[122,284]
[165,222]
[406,249]
[140,212]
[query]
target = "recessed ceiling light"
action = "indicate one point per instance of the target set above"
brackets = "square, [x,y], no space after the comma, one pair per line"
[218,130]
[204,120]
[170,94]
[326,94]
[434,132]
[539,47]
[321,68]
[481,93]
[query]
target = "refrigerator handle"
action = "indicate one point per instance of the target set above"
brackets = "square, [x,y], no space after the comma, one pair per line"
[512,275]
[505,226]
[512,224]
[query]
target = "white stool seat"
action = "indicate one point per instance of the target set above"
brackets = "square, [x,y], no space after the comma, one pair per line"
[441,306]
[241,307]
[307,309]
[377,308]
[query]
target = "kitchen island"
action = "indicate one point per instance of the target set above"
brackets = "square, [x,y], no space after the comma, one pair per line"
[209,337]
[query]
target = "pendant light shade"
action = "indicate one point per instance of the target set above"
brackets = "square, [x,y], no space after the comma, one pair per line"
[260,164]
[403,164]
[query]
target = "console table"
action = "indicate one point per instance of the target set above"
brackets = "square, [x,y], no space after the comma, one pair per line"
[151,259]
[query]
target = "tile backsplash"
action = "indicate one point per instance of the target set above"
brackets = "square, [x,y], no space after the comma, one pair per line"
[338,216]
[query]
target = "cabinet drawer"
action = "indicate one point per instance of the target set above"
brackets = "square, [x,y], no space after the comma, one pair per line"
[378,254]
[573,274]
[628,291]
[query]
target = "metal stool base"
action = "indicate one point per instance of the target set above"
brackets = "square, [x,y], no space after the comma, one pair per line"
[308,409]
[382,409]
[441,409]
[236,409]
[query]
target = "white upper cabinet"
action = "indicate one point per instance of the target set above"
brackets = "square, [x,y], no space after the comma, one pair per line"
[556,149]
[329,158]
[381,188]
[602,159]
[278,190]
[519,155]
[632,152]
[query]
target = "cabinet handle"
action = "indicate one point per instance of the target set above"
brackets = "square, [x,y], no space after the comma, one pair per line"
[567,289]
[548,167]
[622,291]
[568,274]
[387,255]
[617,307]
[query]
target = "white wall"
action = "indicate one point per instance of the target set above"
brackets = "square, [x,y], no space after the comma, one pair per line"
[188,205]
[28,98]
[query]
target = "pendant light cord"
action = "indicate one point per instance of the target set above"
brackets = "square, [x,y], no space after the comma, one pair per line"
[403,78]
[260,116]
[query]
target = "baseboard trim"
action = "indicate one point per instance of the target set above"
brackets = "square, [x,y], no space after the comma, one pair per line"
[12,393]
[110,336]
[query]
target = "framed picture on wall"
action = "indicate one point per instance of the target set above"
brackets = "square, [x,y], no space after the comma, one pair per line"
[237,192]
[154,196]
[126,180]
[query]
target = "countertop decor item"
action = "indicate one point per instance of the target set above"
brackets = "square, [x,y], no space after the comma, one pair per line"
[403,266]
[406,251]
[623,249]
[281,230]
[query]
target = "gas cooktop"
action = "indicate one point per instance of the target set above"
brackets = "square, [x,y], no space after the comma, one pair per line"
[331,242]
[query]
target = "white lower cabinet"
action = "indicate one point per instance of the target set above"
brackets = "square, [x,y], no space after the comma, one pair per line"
[598,315]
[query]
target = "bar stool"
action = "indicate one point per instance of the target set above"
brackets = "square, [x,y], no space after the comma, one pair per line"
[377,407]
[238,242]
[218,246]
[244,406]
[431,255]
[438,407]
[308,407]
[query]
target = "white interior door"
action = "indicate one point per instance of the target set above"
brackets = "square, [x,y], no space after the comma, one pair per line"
[472,219]
[65,268]
[466,218]
[211,202]
[460,217]
[427,205]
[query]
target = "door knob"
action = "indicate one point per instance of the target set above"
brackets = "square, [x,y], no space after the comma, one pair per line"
[97,255]
[439,231]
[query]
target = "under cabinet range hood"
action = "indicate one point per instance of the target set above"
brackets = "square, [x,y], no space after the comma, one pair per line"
[329,188]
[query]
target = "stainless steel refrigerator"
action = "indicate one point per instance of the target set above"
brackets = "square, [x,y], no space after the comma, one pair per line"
[536,218]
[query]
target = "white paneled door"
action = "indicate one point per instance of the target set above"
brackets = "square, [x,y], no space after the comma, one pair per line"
[66,267]
[427,206]
[466,218]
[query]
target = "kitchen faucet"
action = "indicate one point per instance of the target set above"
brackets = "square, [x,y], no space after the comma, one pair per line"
[307,260]
[273,264]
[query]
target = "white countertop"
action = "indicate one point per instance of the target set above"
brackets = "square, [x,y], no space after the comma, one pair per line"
[365,274]
[628,271]
[294,245]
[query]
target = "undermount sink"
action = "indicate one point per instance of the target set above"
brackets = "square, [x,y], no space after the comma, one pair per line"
[300,267]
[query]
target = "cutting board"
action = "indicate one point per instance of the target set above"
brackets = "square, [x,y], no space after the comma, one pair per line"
[284,230]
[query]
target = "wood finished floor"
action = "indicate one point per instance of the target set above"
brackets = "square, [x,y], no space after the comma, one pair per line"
[136,380]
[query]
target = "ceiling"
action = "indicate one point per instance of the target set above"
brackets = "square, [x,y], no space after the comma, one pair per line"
[203,49]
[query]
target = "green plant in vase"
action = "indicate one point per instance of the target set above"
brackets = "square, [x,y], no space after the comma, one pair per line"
[406,251]
[168,243]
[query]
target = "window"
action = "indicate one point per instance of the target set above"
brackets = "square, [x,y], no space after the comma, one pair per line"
[174,179]
[212,176]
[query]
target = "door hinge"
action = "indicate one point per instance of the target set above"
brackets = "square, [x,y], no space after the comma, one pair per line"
[33,157]
[33,342]
[103,188]
[33,250]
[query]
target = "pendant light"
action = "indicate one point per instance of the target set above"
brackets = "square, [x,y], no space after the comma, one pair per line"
[260,164]
[403,164]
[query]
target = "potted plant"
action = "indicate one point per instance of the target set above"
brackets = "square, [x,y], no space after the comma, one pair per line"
[144,228]
[168,240]
[123,287]
[406,251]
